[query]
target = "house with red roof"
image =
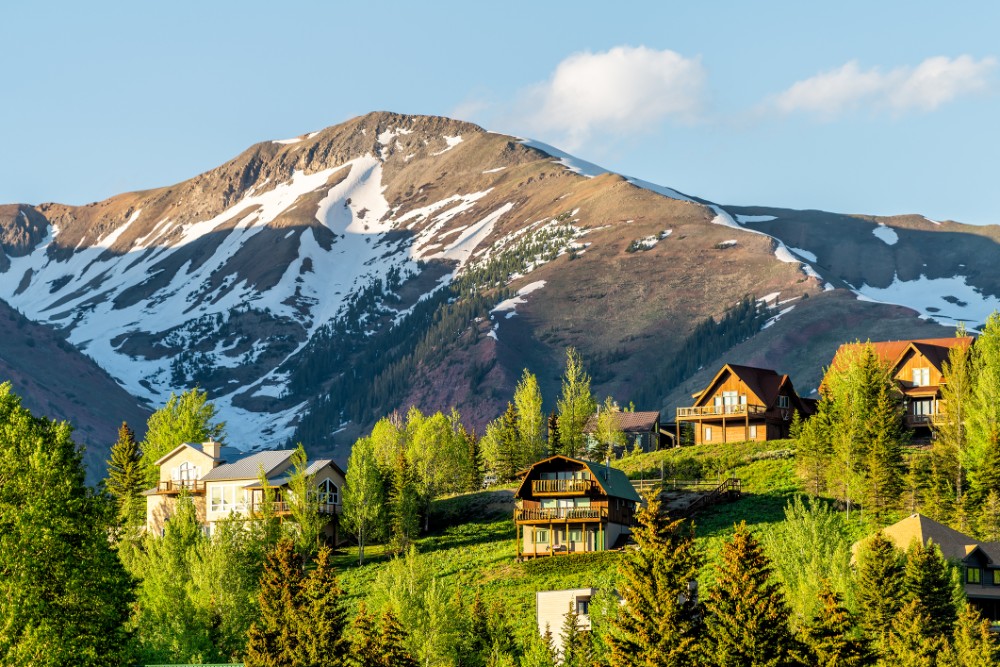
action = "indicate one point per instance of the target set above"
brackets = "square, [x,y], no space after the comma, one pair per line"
[744,403]
[918,368]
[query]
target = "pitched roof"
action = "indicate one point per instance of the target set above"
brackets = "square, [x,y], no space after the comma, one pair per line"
[953,544]
[614,482]
[629,422]
[936,350]
[764,383]
[249,467]
[312,469]
[193,445]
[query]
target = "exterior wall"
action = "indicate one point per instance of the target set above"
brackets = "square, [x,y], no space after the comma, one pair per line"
[904,372]
[200,460]
[159,509]
[736,430]
[591,534]
[731,382]
[551,608]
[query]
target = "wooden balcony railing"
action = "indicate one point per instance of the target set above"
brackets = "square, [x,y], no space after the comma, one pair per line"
[920,420]
[572,514]
[286,508]
[173,486]
[721,410]
[561,487]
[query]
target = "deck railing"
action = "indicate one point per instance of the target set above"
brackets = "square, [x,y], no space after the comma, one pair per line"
[178,485]
[614,515]
[721,410]
[281,507]
[921,420]
[561,486]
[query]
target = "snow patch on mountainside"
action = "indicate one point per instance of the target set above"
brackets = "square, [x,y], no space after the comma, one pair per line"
[755,218]
[510,305]
[946,300]
[886,234]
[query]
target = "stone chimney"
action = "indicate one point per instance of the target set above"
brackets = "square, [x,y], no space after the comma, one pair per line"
[212,448]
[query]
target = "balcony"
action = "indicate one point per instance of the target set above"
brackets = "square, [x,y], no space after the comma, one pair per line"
[285,509]
[916,421]
[176,486]
[572,515]
[561,487]
[721,411]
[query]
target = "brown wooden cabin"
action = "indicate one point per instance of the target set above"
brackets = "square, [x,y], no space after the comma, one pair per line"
[744,403]
[641,428]
[566,505]
[918,368]
[978,562]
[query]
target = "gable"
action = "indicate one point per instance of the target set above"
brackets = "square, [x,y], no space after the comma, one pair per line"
[729,379]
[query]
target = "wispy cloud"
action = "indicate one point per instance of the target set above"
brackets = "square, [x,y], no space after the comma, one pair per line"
[932,83]
[623,92]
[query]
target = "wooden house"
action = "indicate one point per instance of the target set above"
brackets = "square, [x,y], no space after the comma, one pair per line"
[566,505]
[979,562]
[744,403]
[918,368]
[641,429]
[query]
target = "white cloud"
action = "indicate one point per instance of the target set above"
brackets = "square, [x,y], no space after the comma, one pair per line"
[925,87]
[623,91]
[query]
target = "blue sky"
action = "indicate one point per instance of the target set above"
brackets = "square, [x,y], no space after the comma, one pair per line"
[855,107]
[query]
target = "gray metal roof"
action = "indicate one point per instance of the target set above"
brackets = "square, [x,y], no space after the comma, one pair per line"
[312,469]
[249,467]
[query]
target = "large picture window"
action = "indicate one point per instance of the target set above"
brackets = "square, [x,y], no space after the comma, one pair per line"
[329,494]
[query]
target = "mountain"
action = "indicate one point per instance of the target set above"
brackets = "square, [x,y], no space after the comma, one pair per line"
[313,284]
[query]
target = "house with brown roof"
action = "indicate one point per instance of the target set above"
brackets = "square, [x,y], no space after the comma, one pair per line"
[918,369]
[641,429]
[221,489]
[566,506]
[978,561]
[744,403]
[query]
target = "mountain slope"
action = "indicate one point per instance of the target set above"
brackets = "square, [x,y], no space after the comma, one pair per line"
[313,284]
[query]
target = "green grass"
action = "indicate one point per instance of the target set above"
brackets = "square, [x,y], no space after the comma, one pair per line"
[471,542]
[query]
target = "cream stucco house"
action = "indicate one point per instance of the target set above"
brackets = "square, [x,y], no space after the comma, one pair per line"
[221,489]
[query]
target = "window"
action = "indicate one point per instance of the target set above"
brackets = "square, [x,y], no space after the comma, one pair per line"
[227,499]
[541,535]
[973,575]
[583,606]
[708,434]
[329,494]
[753,432]
[576,535]
[783,402]
[921,377]
[217,500]
[996,577]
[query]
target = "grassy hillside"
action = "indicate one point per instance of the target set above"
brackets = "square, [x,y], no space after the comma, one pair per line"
[471,544]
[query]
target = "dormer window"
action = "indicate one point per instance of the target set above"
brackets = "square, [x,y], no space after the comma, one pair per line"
[921,377]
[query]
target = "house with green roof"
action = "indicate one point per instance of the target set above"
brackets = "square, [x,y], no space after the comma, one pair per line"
[566,506]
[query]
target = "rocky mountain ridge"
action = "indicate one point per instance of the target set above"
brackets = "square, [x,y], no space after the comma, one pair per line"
[314,283]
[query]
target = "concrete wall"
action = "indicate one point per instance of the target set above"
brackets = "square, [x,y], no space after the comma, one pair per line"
[551,608]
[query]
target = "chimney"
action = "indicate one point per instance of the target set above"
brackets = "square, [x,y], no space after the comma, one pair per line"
[212,448]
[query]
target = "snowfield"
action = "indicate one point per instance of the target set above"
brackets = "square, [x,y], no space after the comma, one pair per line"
[945,300]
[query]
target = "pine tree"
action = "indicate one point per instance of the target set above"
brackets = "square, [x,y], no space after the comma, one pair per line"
[831,636]
[910,641]
[575,406]
[814,449]
[928,582]
[392,643]
[884,455]
[321,620]
[950,430]
[364,639]
[273,641]
[126,481]
[746,615]
[555,446]
[974,644]
[988,521]
[982,454]
[659,622]
[575,642]
[879,587]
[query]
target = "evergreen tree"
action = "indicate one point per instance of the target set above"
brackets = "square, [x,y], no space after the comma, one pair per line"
[555,446]
[928,582]
[392,643]
[403,505]
[747,617]
[273,641]
[879,587]
[659,622]
[364,639]
[126,481]
[983,415]
[988,521]
[950,429]
[364,496]
[321,620]
[884,455]
[501,445]
[575,642]
[530,419]
[474,475]
[575,406]
[974,643]
[189,417]
[910,641]
[64,596]
[831,636]
[814,448]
